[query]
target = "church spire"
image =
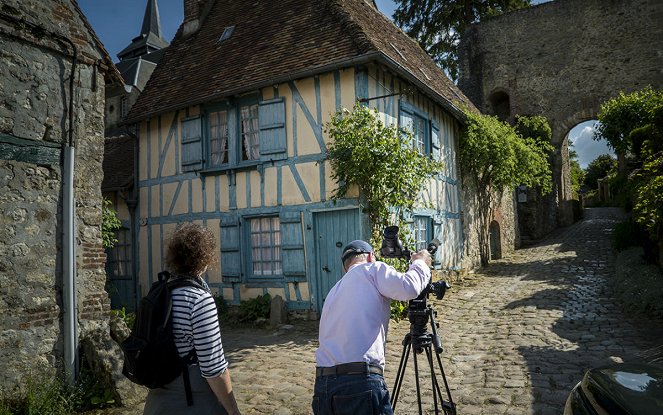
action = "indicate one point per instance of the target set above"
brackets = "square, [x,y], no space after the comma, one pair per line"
[151,21]
[150,38]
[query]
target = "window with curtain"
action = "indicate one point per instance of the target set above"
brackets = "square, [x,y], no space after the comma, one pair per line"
[218,137]
[265,240]
[250,133]
[119,256]
[418,125]
[421,232]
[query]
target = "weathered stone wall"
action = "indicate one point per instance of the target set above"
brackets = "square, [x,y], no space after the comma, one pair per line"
[561,59]
[35,69]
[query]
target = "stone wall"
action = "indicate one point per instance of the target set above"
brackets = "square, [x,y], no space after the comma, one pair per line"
[561,59]
[35,68]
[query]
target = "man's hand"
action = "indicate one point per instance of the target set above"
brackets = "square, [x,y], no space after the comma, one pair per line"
[424,255]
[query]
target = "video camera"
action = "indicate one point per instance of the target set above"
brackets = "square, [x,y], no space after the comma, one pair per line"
[392,247]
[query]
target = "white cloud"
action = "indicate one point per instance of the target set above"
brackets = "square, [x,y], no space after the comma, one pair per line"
[588,149]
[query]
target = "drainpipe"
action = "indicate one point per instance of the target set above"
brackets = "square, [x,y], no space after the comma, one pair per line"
[69,237]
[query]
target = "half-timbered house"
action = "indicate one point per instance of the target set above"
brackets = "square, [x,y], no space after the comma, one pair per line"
[231,135]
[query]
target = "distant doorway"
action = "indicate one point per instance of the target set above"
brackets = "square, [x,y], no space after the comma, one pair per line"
[495,240]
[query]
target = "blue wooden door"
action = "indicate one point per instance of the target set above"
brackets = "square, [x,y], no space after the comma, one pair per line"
[333,230]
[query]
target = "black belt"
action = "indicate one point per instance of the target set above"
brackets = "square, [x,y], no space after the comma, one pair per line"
[357,368]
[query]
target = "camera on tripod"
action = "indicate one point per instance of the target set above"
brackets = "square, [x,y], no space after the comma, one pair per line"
[419,340]
[392,247]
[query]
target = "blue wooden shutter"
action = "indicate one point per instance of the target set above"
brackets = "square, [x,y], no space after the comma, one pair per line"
[437,234]
[292,246]
[435,141]
[192,149]
[271,116]
[231,261]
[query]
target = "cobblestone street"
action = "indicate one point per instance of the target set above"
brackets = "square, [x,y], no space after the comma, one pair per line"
[517,336]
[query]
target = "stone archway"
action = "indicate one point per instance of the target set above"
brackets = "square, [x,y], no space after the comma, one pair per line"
[562,59]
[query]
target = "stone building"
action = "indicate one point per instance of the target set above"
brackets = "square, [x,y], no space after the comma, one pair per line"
[53,72]
[561,59]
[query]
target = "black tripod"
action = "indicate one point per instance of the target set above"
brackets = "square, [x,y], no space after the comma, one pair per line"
[419,340]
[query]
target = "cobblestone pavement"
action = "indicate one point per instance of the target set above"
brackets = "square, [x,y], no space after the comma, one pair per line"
[517,336]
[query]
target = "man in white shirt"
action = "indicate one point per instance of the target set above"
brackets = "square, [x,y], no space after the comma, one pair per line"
[353,331]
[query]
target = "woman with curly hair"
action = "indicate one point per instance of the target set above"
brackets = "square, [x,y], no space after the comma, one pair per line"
[191,250]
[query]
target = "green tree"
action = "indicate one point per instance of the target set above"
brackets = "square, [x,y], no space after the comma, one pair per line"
[494,158]
[379,160]
[438,24]
[109,224]
[577,173]
[599,168]
[619,116]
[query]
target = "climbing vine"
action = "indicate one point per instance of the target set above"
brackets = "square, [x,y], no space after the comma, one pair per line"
[109,224]
[380,162]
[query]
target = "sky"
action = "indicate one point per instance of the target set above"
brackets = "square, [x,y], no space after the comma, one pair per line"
[587,148]
[117,22]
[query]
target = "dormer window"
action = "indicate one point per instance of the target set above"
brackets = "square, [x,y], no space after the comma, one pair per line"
[227,32]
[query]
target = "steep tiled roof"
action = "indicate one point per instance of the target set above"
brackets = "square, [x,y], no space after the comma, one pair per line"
[118,163]
[278,40]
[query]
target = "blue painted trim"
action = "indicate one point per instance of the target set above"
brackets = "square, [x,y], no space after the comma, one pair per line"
[337,89]
[279,186]
[323,182]
[203,190]
[190,194]
[295,150]
[300,183]
[159,145]
[217,193]
[286,291]
[261,172]
[258,211]
[149,149]
[171,132]
[232,191]
[248,189]
[175,196]
[318,104]
[315,126]
[298,292]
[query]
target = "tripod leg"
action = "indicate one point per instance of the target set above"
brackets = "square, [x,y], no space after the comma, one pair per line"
[450,408]
[400,373]
[435,386]
[416,379]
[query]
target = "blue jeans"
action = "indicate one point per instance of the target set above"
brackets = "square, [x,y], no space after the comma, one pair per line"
[351,395]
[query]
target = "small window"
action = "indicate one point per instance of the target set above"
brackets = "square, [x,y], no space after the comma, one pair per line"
[218,137]
[227,32]
[124,106]
[418,126]
[250,133]
[265,240]
[119,256]
[421,232]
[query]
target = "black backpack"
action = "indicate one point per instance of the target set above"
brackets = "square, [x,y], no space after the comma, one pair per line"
[150,355]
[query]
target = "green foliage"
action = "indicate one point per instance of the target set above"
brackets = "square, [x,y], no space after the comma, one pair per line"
[648,207]
[379,160]
[128,318]
[109,224]
[638,285]
[495,157]
[628,234]
[44,393]
[619,116]
[398,310]
[438,24]
[255,308]
[577,173]
[622,191]
[599,168]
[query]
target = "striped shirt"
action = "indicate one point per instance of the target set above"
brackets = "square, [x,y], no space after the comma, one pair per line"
[196,325]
